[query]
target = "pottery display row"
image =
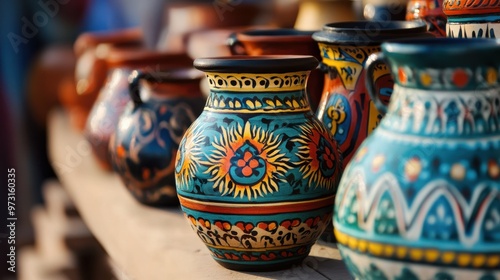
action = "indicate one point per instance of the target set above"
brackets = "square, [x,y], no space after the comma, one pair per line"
[407,131]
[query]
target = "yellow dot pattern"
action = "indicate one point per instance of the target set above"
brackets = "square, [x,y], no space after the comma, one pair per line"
[491,76]
[426,79]
[418,254]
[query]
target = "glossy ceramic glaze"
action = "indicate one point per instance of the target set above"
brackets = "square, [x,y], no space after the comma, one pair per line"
[114,96]
[430,11]
[282,42]
[149,131]
[472,18]
[256,173]
[420,199]
[345,108]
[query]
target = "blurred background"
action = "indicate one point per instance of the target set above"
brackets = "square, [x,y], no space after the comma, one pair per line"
[44,56]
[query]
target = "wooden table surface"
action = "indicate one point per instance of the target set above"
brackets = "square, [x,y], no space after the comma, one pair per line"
[150,243]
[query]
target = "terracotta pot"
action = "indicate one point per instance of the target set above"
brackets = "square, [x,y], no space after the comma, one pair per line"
[429,11]
[281,42]
[472,18]
[144,146]
[180,20]
[90,72]
[211,43]
[114,96]
[313,14]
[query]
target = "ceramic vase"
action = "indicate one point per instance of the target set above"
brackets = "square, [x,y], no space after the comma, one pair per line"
[256,173]
[429,11]
[281,41]
[345,107]
[421,197]
[472,18]
[114,95]
[145,143]
[91,49]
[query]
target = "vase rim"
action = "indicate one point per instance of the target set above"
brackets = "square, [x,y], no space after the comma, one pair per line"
[257,64]
[444,52]
[275,33]
[441,45]
[368,32]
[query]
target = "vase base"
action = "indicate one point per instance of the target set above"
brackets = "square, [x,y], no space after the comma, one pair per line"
[261,267]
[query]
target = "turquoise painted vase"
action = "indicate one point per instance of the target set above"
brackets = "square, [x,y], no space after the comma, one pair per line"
[163,104]
[421,197]
[257,172]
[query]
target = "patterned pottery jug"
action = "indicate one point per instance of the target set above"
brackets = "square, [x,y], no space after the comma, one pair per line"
[257,172]
[429,11]
[345,107]
[114,96]
[421,197]
[149,131]
[472,18]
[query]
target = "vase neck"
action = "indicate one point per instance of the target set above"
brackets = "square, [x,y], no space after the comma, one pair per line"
[446,114]
[258,93]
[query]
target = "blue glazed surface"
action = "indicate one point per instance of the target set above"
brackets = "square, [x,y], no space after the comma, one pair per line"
[257,172]
[146,140]
[421,197]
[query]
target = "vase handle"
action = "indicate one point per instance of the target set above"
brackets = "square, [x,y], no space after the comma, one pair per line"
[235,46]
[133,86]
[372,61]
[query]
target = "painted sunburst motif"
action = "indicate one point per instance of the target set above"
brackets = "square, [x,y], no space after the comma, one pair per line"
[246,162]
[188,159]
[319,156]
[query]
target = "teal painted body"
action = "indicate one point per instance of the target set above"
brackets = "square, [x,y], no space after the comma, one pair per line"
[257,172]
[421,197]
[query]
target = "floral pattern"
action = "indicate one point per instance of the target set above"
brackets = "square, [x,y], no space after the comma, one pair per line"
[246,162]
[320,155]
[144,154]
[271,240]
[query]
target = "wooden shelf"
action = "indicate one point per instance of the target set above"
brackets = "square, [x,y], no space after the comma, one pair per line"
[150,243]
